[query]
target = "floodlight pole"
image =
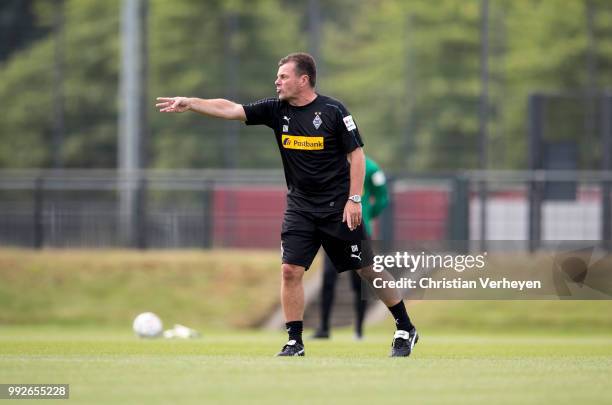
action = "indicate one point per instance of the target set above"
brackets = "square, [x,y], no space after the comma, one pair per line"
[591,64]
[314,30]
[231,62]
[534,124]
[606,187]
[132,121]
[58,85]
[483,118]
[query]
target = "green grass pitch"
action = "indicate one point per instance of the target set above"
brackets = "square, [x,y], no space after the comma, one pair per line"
[106,366]
[65,317]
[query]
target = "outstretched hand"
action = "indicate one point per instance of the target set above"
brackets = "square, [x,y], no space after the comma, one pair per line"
[173,104]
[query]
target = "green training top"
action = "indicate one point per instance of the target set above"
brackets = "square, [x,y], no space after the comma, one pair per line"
[375,196]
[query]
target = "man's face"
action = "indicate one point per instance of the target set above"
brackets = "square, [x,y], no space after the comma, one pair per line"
[288,83]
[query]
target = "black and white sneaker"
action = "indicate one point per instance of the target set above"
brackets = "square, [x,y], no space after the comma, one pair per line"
[403,343]
[292,348]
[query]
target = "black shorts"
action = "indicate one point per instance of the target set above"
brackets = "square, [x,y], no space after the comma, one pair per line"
[304,232]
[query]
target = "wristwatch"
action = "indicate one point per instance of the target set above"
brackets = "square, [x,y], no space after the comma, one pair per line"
[355,198]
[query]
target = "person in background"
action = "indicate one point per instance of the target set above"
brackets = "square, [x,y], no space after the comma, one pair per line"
[374,200]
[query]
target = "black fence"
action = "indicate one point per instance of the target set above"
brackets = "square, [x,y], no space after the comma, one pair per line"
[219,208]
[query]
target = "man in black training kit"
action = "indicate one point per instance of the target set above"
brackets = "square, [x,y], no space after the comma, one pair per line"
[324,165]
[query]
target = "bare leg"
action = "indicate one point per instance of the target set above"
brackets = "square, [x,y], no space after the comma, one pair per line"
[292,292]
[389,296]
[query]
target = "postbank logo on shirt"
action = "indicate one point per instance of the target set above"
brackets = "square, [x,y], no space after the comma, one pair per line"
[302,142]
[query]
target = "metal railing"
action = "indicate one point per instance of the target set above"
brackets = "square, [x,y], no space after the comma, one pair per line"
[222,208]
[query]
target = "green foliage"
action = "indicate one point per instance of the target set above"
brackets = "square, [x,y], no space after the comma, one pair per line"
[190,46]
[408,71]
[90,70]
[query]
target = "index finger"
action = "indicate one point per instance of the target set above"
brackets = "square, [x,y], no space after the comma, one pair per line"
[165,98]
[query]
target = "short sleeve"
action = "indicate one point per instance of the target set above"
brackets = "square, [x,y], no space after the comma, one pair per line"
[262,112]
[347,130]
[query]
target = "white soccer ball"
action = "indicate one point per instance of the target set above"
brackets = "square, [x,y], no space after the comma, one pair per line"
[147,325]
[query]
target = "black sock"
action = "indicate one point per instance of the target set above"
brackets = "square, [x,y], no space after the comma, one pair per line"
[294,329]
[402,321]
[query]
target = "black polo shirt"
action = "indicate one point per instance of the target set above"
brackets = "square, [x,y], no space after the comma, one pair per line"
[313,140]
